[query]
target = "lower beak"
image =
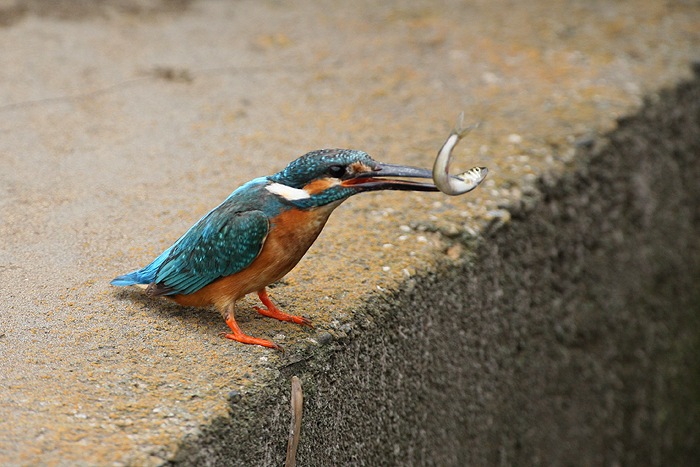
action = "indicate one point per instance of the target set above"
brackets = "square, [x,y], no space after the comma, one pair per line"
[375,180]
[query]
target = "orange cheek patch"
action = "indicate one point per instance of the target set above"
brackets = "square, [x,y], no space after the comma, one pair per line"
[318,186]
[359,167]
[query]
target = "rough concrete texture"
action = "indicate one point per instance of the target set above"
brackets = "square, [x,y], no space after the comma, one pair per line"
[550,317]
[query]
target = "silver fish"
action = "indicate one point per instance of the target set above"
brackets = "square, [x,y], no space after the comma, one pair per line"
[454,185]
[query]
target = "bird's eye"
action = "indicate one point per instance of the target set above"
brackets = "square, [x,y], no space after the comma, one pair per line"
[336,171]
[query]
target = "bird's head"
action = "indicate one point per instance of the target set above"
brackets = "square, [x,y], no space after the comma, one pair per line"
[330,175]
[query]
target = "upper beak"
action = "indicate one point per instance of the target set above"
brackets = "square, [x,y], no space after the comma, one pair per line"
[373,181]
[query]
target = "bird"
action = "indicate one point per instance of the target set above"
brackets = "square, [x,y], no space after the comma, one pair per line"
[261,231]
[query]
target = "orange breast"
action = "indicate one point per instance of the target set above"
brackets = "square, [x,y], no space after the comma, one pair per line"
[291,234]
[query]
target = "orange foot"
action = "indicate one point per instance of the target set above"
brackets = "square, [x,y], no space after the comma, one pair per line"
[273,312]
[238,336]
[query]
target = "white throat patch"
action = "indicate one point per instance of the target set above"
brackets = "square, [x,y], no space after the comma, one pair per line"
[287,192]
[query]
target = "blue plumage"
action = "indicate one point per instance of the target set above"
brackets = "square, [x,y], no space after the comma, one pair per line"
[221,243]
[315,164]
[141,276]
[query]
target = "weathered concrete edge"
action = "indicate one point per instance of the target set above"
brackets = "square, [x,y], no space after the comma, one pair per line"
[567,336]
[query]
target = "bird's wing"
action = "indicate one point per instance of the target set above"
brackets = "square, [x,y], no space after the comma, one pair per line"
[220,244]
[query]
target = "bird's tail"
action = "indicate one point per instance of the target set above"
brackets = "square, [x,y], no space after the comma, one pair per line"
[133,278]
[141,276]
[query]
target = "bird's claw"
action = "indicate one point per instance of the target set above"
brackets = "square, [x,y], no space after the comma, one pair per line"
[277,314]
[246,339]
[305,322]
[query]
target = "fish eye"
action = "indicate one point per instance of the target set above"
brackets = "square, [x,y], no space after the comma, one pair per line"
[336,171]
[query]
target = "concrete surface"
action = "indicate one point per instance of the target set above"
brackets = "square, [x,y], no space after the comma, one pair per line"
[550,317]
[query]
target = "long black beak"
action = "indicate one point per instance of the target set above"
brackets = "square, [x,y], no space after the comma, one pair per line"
[375,180]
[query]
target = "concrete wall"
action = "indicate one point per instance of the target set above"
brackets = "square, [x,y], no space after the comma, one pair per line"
[569,337]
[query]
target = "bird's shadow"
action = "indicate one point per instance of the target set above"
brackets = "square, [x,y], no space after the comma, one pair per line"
[207,319]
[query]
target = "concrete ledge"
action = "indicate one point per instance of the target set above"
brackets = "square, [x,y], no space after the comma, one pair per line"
[547,314]
[569,337]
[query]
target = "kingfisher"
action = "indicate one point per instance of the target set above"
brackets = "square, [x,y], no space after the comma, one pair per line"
[261,231]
